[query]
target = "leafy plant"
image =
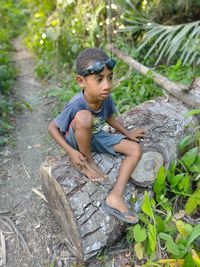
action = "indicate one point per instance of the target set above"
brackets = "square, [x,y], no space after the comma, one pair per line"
[58,30]
[12,15]
[161,228]
[164,30]
[167,41]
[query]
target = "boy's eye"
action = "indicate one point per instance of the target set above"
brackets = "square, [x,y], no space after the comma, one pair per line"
[98,79]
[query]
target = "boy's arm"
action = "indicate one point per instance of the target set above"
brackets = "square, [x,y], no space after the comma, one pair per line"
[134,134]
[117,126]
[76,157]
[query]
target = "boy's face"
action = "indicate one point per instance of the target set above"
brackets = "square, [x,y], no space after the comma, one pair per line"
[97,86]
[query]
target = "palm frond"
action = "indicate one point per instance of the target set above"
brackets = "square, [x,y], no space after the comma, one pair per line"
[170,41]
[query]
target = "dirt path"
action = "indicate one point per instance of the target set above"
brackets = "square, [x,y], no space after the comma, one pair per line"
[32,237]
[19,174]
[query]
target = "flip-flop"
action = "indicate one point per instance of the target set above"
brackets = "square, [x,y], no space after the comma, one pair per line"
[118,214]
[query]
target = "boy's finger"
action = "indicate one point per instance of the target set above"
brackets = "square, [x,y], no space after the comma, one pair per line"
[83,160]
[141,135]
[141,132]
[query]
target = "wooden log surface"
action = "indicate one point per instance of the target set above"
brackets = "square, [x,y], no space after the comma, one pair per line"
[76,202]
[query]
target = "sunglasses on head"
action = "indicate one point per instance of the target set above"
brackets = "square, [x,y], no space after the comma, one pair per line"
[98,67]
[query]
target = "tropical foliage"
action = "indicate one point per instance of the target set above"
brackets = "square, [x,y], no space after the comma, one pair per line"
[164,221]
[11,19]
[58,30]
[167,29]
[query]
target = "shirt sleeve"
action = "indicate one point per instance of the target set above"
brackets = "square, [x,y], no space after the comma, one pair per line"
[64,118]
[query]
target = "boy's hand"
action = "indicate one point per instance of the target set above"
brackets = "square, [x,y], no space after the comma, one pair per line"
[136,134]
[77,158]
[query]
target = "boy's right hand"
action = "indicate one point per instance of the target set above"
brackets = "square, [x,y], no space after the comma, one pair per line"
[77,158]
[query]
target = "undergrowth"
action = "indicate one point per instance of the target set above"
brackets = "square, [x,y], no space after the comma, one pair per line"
[12,18]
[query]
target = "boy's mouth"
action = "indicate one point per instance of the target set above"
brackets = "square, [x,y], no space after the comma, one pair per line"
[105,95]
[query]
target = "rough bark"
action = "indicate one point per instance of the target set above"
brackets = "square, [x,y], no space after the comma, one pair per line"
[76,205]
[76,202]
[189,95]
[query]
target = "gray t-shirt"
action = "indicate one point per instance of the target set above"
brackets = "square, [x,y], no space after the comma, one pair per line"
[78,103]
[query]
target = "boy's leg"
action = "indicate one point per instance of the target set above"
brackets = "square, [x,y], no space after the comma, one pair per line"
[132,152]
[82,125]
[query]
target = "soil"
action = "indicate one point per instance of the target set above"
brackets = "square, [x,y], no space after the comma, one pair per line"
[32,236]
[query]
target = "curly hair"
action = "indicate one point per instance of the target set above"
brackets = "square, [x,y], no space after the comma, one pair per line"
[89,56]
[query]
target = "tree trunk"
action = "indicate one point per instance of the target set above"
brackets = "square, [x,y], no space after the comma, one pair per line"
[190,95]
[76,205]
[76,202]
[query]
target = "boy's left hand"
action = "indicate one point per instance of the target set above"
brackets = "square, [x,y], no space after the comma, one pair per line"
[136,134]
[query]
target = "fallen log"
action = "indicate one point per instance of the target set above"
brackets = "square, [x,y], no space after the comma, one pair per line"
[190,95]
[76,202]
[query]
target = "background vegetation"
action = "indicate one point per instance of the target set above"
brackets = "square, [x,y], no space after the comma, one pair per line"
[12,16]
[164,35]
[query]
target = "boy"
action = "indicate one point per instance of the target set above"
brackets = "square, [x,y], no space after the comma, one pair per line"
[78,129]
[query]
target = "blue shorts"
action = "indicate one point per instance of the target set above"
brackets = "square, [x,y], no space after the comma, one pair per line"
[101,142]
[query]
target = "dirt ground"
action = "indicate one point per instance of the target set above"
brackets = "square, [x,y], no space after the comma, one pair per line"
[31,236]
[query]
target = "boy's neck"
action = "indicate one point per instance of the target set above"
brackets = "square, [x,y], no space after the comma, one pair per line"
[93,103]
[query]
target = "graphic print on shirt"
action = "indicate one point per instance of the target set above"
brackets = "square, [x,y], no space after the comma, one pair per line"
[97,124]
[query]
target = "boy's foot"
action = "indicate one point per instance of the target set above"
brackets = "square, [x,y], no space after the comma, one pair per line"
[92,172]
[95,167]
[117,207]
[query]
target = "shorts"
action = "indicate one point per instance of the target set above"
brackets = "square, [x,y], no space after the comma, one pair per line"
[102,142]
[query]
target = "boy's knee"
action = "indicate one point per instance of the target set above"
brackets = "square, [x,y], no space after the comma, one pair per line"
[137,150]
[83,118]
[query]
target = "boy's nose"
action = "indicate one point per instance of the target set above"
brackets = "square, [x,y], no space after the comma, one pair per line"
[106,85]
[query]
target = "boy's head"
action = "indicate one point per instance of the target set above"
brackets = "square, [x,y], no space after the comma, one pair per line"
[93,60]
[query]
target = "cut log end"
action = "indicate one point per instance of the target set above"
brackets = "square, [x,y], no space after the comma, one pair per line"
[61,209]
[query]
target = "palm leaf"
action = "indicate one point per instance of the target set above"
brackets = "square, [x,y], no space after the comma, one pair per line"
[169,41]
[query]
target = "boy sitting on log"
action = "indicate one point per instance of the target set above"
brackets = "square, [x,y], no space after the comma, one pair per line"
[78,128]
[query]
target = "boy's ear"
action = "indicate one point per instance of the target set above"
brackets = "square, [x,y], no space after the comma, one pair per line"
[80,80]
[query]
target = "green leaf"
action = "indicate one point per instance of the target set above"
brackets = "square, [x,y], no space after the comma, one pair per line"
[195,233]
[146,207]
[176,179]
[192,202]
[143,218]
[186,141]
[27,105]
[170,244]
[192,112]
[171,171]
[167,206]
[160,224]
[190,156]
[195,168]
[189,262]
[152,236]
[159,184]
[184,184]
[139,233]
[161,175]
[138,251]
